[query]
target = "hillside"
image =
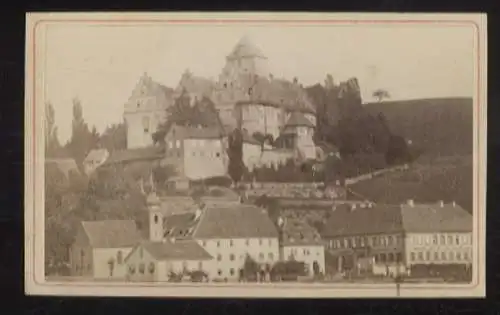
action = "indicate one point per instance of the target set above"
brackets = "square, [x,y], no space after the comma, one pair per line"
[447,179]
[441,127]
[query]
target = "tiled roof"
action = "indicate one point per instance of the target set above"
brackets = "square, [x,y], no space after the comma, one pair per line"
[96,154]
[178,250]
[111,233]
[241,221]
[297,232]
[276,92]
[434,218]
[397,218]
[64,165]
[129,155]
[182,132]
[298,119]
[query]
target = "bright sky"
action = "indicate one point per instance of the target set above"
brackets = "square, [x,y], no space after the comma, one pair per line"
[101,64]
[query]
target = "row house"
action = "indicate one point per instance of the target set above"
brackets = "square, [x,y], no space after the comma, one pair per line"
[396,238]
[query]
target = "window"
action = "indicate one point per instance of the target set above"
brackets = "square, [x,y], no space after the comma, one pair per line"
[457,240]
[443,256]
[346,243]
[389,240]
[217,154]
[151,268]
[399,257]
[271,256]
[119,257]
[231,271]
[304,251]
[270,242]
[390,257]
[450,256]
[218,243]
[420,256]
[219,272]
[170,145]
[459,256]
[247,242]
[436,256]
[204,243]
[261,256]
[450,240]
[362,240]
[231,257]
[231,243]
[138,104]
[156,218]
[184,265]
[412,256]
[442,240]
[383,258]
[219,257]
[142,268]
[131,269]
[200,265]
[466,256]
[434,239]
[260,242]
[374,241]
[145,124]
[427,255]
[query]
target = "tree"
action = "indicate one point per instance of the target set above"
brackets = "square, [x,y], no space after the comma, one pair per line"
[236,166]
[82,140]
[381,94]
[250,267]
[52,145]
[114,137]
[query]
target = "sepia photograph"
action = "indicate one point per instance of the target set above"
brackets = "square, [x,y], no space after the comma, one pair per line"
[255,155]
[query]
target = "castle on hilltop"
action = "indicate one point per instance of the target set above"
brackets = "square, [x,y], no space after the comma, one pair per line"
[246,96]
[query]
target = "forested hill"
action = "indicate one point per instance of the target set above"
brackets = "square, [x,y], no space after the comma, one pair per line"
[441,126]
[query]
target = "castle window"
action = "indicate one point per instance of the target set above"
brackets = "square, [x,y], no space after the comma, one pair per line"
[145,124]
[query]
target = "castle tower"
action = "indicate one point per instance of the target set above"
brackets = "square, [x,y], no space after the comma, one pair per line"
[155,218]
[243,64]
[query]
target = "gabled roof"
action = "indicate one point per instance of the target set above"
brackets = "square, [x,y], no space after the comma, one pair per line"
[299,233]
[178,250]
[130,155]
[111,233]
[182,132]
[298,119]
[242,221]
[425,218]
[96,154]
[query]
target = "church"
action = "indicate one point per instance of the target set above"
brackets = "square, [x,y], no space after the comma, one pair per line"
[246,96]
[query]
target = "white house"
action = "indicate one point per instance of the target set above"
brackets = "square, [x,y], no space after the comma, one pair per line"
[100,248]
[157,261]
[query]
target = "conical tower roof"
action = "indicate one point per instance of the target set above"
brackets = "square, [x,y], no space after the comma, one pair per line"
[246,48]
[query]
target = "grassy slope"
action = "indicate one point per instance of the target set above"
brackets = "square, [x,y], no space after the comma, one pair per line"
[447,179]
[439,126]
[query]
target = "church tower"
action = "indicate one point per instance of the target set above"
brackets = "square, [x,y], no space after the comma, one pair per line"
[155,218]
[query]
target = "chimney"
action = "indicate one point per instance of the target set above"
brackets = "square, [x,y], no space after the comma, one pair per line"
[441,203]
[410,203]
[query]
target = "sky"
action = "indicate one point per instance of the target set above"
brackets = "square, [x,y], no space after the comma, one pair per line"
[101,64]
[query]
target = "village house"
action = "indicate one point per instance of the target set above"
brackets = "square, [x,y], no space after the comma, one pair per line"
[163,260]
[301,242]
[94,159]
[227,231]
[396,238]
[100,248]
[196,153]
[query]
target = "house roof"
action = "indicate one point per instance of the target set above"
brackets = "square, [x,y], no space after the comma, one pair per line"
[235,221]
[111,233]
[129,155]
[275,92]
[96,154]
[425,218]
[178,250]
[299,233]
[182,132]
[298,119]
